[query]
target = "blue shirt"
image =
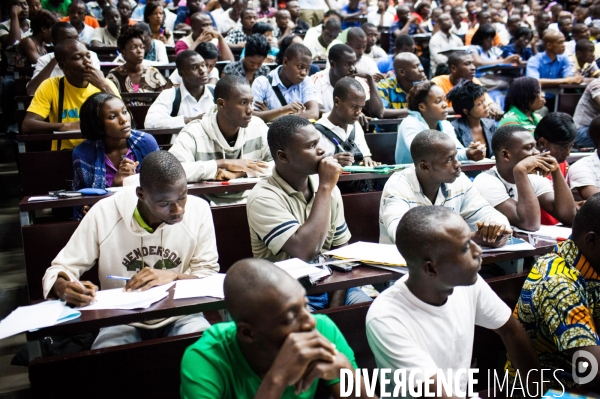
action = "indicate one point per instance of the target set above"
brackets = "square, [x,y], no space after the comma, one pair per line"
[262,90]
[540,66]
[510,49]
[398,25]
[386,65]
[414,124]
[348,10]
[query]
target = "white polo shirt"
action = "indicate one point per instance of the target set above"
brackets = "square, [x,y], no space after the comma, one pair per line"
[324,89]
[359,136]
[585,172]
[403,192]
[159,113]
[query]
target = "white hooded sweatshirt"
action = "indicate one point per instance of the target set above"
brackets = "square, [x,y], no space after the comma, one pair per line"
[200,144]
[110,235]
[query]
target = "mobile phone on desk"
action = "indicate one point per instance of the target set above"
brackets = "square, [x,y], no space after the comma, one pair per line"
[344,267]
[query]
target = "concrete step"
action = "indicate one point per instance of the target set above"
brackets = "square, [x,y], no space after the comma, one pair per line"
[14,380]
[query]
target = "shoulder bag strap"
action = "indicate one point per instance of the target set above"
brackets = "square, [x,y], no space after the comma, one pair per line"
[277,91]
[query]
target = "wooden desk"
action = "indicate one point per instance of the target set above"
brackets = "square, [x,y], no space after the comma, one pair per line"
[94,319]
[27,208]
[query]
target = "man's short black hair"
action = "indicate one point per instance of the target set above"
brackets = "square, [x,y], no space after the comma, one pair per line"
[588,217]
[463,96]
[367,25]
[355,33]
[245,10]
[343,86]
[417,232]
[594,130]
[226,86]
[404,40]
[143,26]
[556,127]
[282,131]
[584,45]
[420,148]
[456,57]
[333,12]
[332,23]
[128,33]
[182,57]
[337,52]
[502,137]
[62,49]
[297,50]
[207,50]
[106,10]
[58,28]
[160,168]
[257,44]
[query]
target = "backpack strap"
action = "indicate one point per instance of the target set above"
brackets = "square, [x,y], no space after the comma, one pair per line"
[176,102]
[277,91]
[61,97]
[348,145]
[330,135]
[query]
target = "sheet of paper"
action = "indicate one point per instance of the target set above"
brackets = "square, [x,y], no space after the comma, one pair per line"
[560,232]
[33,317]
[42,198]
[119,299]
[370,252]
[297,268]
[211,286]
[514,244]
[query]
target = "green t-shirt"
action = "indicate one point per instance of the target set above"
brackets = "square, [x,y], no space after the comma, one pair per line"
[62,9]
[214,366]
[514,116]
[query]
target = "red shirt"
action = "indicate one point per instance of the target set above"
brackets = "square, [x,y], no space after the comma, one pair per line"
[546,218]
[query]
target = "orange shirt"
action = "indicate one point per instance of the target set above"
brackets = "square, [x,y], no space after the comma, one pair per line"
[91,21]
[471,32]
[444,82]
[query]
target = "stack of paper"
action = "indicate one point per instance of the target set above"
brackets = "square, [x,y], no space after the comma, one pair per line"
[119,299]
[514,244]
[197,287]
[297,268]
[559,233]
[370,252]
[44,314]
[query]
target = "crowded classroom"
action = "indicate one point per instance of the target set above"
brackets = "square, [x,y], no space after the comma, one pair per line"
[286,198]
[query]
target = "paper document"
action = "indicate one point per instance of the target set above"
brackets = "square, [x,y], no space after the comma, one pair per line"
[484,161]
[370,252]
[119,299]
[297,268]
[198,287]
[556,232]
[514,244]
[44,314]
[42,198]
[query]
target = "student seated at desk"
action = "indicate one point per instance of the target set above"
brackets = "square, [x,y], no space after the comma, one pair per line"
[587,109]
[584,175]
[211,56]
[112,150]
[108,35]
[77,11]
[60,98]
[559,304]
[393,90]
[473,126]
[154,234]
[155,50]
[251,66]
[295,214]
[227,143]
[287,89]
[133,76]
[342,63]
[272,348]
[427,109]
[342,124]
[514,186]
[427,319]
[523,98]
[551,67]
[178,106]
[47,65]
[556,134]
[436,179]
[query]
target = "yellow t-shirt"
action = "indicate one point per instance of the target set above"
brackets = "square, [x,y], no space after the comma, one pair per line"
[45,104]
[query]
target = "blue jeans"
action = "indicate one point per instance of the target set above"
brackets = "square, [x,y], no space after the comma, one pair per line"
[125,334]
[583,139]
[353,295]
